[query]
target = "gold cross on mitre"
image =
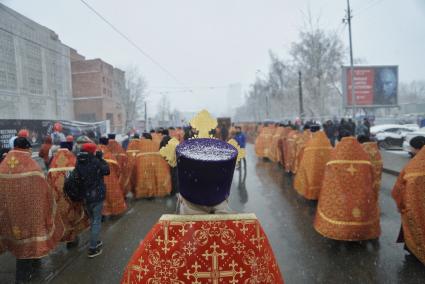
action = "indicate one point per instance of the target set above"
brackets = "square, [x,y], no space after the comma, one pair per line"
[169,152]
[204,123]
[241,152]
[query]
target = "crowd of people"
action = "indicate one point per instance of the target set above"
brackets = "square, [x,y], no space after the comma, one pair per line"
[341,168]
[80,182]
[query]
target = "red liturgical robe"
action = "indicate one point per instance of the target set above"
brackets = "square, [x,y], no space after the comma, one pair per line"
[204,249]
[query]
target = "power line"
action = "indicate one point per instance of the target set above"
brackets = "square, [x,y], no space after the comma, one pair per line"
[129,40]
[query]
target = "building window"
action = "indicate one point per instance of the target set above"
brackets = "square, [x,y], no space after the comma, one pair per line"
[104,91]
[103,79]
[87,117]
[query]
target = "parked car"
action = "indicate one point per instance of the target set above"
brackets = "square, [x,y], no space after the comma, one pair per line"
[388,135]
[410,136]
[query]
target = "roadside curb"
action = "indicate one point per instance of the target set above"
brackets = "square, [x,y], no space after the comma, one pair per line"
[391,172]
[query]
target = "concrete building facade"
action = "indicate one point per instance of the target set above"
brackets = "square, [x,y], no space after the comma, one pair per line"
[35,70]
[97,91]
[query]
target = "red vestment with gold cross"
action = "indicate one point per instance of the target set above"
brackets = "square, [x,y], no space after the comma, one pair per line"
[214,249]
[30,223]
[74,218]
[114,203]
[348,207]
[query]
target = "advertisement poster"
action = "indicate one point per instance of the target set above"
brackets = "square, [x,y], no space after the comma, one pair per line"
[374,86]
[39,129]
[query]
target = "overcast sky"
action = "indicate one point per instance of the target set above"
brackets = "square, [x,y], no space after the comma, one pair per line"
[213,43]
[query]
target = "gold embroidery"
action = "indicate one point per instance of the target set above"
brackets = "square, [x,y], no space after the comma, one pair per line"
[208,217]
[349,162]
[148,154]
[356,212]
[348,223]
[352,170]
[216,275]
[13,162]
[39,238]
[165,241]
[112,161]
[63,169]
[20,175]
[413,175]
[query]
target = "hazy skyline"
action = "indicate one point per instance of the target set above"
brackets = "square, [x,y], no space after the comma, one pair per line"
[220,42]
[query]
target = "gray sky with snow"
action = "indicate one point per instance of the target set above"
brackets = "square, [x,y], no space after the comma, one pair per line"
[214,43]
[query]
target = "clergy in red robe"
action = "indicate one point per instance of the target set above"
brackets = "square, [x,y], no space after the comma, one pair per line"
[30,222]
[210,246]
[290,150]
[372,149]
[309,178]
[73,215]
[348,207]
[114,203]
[300,142]
[120,155]
[132,150]
[409,195]
[264,141]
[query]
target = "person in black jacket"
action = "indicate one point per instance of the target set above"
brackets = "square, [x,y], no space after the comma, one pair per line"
[91,168]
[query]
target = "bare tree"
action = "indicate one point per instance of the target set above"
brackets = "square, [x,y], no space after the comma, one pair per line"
[319,56]
[164,109]
[134,96]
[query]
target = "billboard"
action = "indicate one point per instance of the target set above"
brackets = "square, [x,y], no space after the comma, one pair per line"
[39,129]
[374,86]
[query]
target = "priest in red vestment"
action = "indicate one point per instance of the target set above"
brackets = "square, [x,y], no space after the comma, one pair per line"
[30,222]
[74,218]
[114,203]
[311,171]
[409,195]
[120,155]
[348,207]
[205,244]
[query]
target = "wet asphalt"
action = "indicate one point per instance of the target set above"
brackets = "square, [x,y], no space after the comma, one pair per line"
[303,255]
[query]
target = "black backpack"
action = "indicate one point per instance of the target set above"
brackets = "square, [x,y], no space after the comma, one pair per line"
[73,186]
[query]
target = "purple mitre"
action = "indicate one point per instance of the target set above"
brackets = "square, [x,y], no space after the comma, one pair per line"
[205,169]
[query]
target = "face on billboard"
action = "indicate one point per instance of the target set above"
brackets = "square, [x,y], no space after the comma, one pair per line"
[374,86]
[385,86]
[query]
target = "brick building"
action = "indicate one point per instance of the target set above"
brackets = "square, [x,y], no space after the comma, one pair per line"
[97,88]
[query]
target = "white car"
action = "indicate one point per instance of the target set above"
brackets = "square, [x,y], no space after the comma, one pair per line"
[410,136]
[386,132]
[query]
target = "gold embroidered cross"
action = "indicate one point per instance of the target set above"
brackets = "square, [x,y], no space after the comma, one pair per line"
[166,241]
[140,269]
[215,274]
[13,162]
[243,229]
[352,170]
[258,238]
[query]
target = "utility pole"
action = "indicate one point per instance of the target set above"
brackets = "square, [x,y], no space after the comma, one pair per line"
[300,87]
[353,95]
